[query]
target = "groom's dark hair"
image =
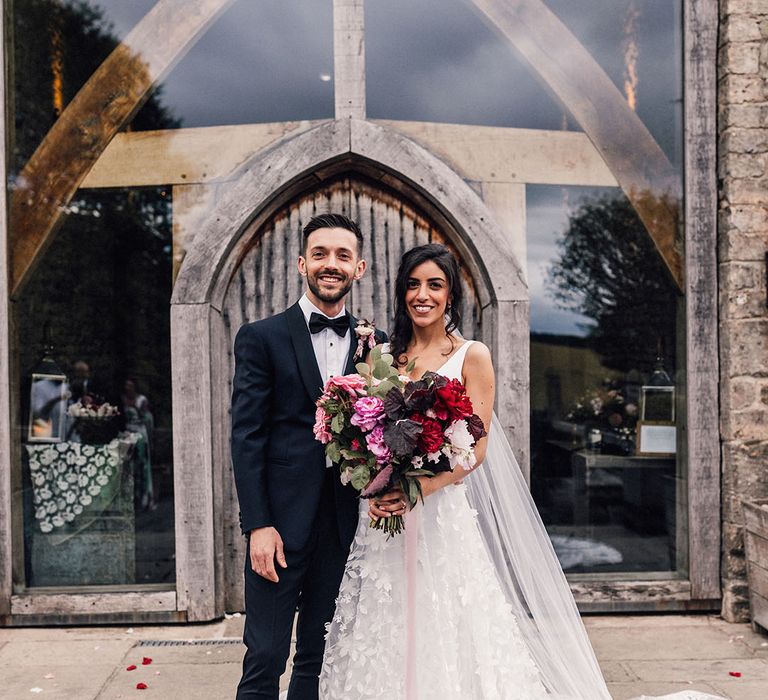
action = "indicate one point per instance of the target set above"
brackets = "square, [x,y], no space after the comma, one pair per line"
[333,221]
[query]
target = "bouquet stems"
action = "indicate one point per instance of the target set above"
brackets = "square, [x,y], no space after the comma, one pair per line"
[393,525]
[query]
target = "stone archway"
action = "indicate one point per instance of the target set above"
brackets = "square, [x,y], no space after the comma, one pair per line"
[200,336]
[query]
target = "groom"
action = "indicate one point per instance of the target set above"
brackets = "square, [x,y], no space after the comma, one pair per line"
[299,519]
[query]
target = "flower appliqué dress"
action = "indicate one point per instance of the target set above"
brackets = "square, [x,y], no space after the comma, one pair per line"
[422,616]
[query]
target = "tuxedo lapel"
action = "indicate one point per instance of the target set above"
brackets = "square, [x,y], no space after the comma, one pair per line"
[350,366]
[305,354]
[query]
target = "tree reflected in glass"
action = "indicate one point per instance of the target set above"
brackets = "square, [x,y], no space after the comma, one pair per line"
[609,271]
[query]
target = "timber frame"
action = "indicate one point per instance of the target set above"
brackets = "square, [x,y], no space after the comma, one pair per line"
[195,310]
[7,408]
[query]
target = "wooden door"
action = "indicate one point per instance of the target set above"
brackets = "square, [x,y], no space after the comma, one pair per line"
[266,282]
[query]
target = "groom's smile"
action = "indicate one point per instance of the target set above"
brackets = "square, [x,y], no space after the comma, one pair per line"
[331,264]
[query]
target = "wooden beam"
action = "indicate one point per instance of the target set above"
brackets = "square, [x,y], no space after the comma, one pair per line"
[478,153]
[703,443]
[184,156]
[109,100]
[191,204]
[507,201]
[349,58]
[7,463]
[640,166]
[524,156]
[640,594]
[191,367]
[101,603]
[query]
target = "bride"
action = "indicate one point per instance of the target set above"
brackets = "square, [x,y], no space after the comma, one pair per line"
[470,602]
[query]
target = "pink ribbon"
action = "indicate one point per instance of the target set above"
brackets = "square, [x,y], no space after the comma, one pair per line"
[412,526]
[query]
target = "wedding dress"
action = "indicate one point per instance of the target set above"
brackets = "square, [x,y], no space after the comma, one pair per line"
[469,603]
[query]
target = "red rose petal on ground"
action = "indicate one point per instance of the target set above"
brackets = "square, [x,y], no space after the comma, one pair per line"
[735,674]
[146,661]
[132,667]
[141,686]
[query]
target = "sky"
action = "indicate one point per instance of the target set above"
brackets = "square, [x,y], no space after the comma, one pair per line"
[426,60]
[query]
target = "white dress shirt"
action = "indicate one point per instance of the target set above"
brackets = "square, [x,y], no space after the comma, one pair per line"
[331,350]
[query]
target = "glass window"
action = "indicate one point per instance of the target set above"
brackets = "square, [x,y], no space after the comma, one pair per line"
[638,43]
[258,62]
[93,316]
[266,61]
[438,61]
[604,351]
[94,360]
[92,332]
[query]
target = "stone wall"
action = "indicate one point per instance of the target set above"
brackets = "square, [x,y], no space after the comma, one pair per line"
[743,242]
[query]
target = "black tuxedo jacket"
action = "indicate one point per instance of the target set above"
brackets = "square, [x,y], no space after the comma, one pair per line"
[279,466]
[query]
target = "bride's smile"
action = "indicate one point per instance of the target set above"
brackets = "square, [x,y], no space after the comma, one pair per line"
[427,294]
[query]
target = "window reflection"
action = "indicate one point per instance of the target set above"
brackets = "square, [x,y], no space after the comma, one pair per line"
[258,62]
[266,61]
[603,327]
[98,502]
[437,60]
[57,46]
[638,44]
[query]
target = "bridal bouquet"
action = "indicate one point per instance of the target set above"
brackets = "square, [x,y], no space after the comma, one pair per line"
[384,430]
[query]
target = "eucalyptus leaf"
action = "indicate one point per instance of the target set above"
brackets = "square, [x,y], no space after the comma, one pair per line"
[413,491]
[375,354]
[361,475]
[332,452]
[409,367]
[337,423]
[363,369]
[380,369]
[419,472]
[389,359]
[384,388]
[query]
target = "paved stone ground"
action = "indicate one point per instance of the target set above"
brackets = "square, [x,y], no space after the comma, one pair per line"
[638,654]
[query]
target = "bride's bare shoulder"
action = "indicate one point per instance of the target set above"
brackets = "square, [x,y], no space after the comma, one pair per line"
[478,351]
[478,359]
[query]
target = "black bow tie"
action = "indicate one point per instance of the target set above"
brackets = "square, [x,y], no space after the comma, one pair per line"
[318,322]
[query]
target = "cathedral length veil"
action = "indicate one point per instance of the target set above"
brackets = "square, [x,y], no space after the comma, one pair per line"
[532,579]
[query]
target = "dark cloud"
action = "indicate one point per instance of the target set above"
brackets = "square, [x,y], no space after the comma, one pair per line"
[260,61]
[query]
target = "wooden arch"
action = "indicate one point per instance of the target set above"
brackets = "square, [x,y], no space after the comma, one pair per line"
[272,178]
[641,168]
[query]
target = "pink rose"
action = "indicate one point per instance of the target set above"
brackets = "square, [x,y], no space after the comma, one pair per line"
[320,429]
[369,410]
[375,441]
[353,384]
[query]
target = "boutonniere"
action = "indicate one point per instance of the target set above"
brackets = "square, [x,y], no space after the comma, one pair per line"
[366,335]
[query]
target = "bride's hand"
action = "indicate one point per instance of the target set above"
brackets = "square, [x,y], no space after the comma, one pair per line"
[391,503]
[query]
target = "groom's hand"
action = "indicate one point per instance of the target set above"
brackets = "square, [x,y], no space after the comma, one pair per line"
[266,545]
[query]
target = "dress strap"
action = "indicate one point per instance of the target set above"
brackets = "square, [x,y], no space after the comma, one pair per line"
[462,351]
[453,368]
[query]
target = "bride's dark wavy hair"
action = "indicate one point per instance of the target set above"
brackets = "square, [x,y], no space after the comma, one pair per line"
[402,333]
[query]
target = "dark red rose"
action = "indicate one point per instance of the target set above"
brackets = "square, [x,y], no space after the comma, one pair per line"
[452,401]
[431,437]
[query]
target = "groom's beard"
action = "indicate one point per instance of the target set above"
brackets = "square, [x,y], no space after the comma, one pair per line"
[329,297]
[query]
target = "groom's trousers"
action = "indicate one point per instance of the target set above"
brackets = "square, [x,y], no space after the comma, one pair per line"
[309,584]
